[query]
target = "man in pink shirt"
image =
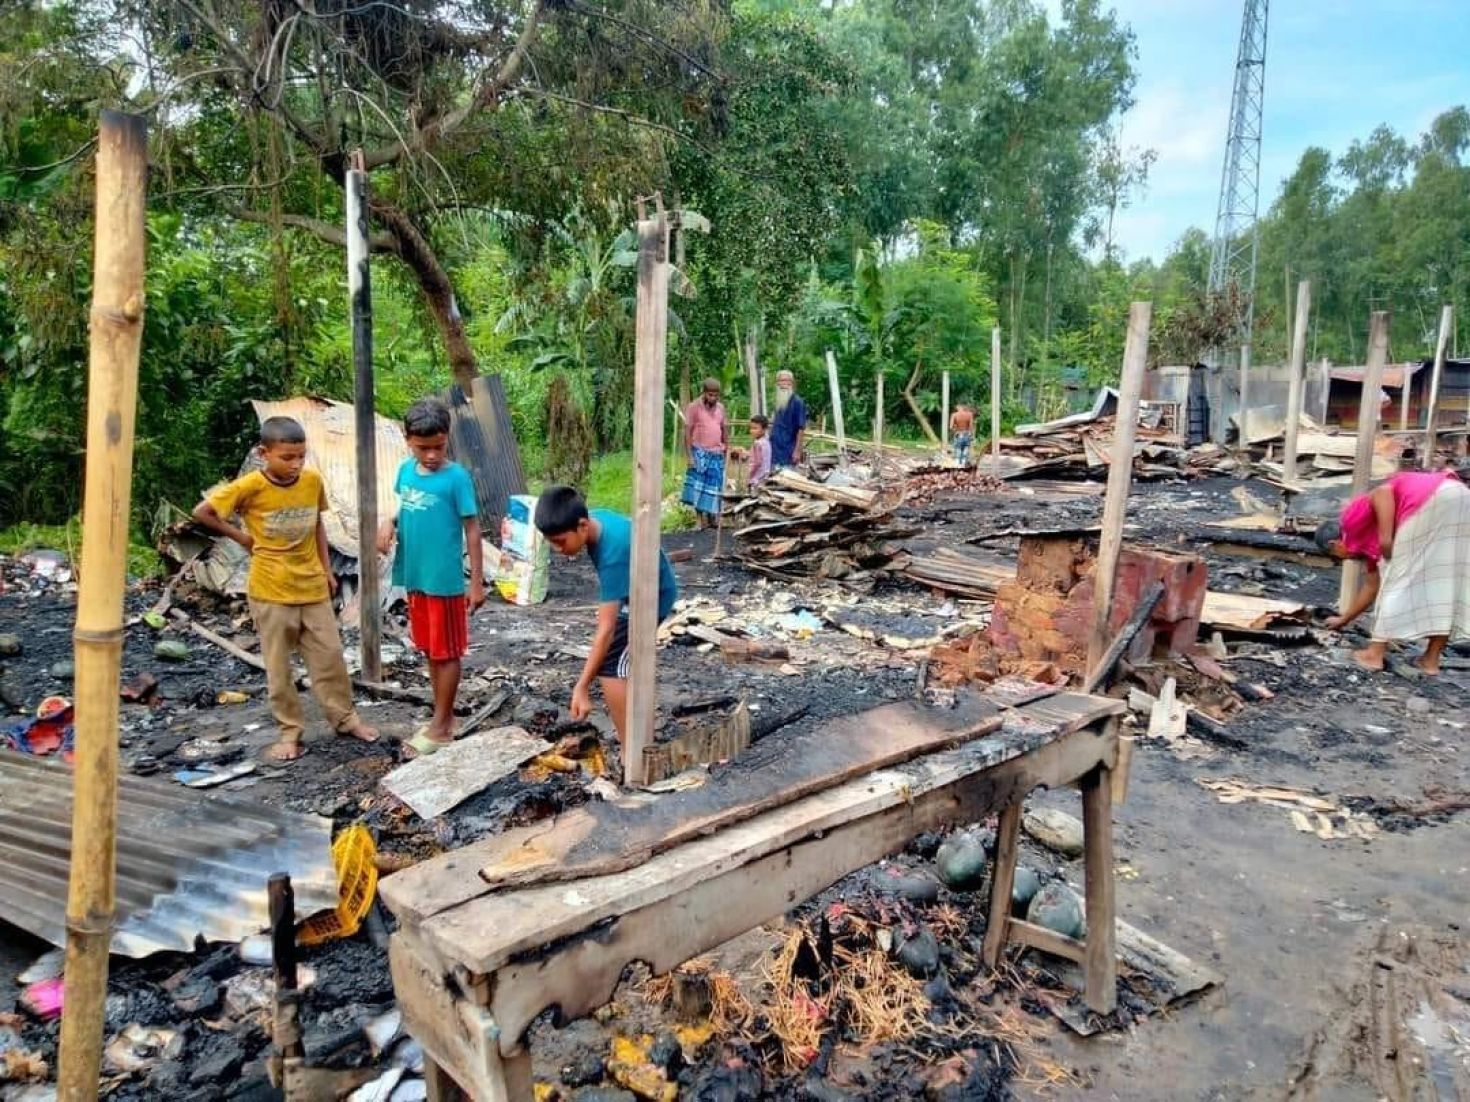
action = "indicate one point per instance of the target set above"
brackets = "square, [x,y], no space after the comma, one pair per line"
[706,439]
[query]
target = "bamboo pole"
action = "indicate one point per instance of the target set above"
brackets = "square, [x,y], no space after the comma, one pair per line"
[1297,382]
[835,385]
[1120,480]
[1368,409]
[112,398]
[360,293]
[651,342]
[1431,435]
[995,401]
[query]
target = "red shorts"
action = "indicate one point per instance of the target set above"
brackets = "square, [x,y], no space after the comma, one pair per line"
[440,626]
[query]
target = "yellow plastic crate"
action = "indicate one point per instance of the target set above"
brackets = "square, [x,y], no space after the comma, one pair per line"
[353,854]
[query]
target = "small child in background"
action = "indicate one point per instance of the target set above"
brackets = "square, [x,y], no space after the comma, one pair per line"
[760,450]
[291,582]
[438,519]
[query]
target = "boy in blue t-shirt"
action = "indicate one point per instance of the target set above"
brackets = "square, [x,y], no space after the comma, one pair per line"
[437,520]
[563,518]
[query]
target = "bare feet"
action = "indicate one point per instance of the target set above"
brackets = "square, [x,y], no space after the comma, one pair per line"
[283,752]
[1429,666]
[1370,658]
[360,731]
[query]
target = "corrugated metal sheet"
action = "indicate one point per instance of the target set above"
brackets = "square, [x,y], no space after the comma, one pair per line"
[1393,374]
[481,439]
[188,863]
[331,447]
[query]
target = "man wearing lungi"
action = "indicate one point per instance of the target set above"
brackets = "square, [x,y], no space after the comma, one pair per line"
[706,439]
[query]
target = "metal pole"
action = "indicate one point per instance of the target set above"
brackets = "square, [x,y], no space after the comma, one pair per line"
[112,399]
[359,285]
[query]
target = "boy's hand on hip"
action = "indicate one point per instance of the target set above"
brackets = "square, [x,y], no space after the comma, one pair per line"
[246,540]
[477,593]
[581,702]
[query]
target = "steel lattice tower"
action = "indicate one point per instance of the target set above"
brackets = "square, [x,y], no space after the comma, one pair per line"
[1237,239]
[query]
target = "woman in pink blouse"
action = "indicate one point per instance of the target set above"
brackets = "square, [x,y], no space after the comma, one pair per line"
[1413,532]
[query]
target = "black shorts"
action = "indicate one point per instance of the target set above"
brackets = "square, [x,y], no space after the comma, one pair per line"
[615,664]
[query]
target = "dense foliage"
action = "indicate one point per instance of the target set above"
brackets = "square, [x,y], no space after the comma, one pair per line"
[887,179]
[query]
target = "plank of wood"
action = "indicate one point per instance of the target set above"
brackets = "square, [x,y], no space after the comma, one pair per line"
[1097,832]
[220,641]
[1246,613]
[1296,383]
[1335,446]
[1120,479]
[1021,932]
[1431,440]
[995,399]
[774,767]
[699,896]
[650,346]
[1102,668]
[842,495]
[605,838]
[1002,882]
[1368,410]
[446,778]
[1168,976]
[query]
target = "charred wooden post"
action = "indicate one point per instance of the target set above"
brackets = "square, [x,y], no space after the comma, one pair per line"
[648,430]
[359,287]
[1368,410]
[1296,384]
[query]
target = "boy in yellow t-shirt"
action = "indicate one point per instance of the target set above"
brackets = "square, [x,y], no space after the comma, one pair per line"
[291,582]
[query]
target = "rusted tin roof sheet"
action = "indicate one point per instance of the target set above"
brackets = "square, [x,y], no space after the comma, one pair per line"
[189,864]
[482,440]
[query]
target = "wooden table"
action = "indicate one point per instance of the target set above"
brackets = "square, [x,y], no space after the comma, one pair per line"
[473,967]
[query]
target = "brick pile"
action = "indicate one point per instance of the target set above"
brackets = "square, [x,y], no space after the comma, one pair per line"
[1043,617]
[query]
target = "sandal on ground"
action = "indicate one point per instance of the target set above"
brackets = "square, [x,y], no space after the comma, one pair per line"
[422,745]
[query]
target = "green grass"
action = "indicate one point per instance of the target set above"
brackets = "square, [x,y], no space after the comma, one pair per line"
[143,561]
[610,486]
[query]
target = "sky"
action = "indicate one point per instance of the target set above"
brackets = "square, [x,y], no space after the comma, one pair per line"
[1335,69]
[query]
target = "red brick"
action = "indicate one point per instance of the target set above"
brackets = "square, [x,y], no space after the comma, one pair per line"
[1050,564]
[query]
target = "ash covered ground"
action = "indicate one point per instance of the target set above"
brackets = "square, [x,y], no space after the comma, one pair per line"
[1287,917]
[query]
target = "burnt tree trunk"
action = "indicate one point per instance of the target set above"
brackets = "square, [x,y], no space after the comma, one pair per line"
[436,287]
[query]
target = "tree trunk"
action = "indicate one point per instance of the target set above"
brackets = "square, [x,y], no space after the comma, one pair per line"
[438,291]
[908,396]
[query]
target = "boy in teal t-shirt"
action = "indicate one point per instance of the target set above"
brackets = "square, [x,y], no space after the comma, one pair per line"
[437,520]
[607,537]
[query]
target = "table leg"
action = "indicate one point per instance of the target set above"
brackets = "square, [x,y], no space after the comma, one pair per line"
[1002,882]
[438,1083]
[1097,828]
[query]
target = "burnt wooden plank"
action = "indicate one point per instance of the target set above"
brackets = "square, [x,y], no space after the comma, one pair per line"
[610,837]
